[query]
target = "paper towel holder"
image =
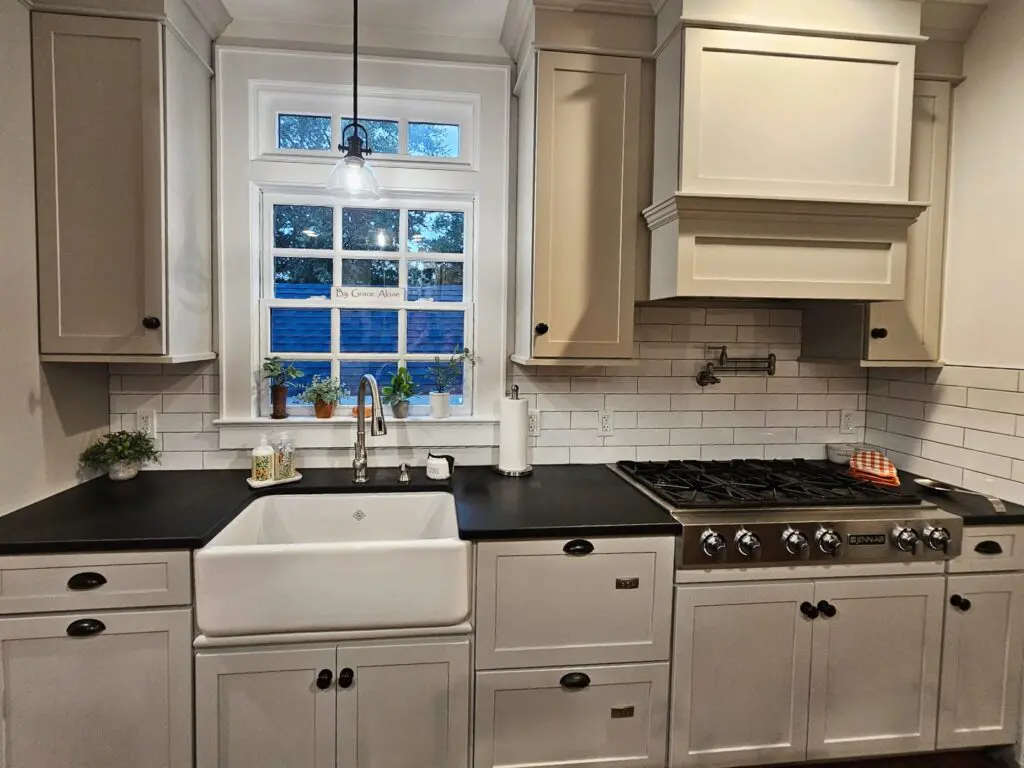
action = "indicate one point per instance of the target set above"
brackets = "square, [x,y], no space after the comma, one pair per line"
[528,469]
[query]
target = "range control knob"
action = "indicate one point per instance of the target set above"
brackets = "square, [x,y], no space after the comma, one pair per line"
[937,538]
[796,543]
[908,540]
[829,541]
[712,543]
[748,544]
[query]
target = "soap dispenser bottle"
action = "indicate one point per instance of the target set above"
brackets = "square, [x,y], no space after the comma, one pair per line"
[263,462]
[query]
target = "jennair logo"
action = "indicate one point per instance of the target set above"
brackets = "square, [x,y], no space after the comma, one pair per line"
[866,539]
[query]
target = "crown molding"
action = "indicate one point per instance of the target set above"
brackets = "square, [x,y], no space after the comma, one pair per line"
[211,14]
[518,14]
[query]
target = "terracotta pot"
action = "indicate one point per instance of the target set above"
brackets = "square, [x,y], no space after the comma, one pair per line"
[278,401]
[400,409]
[123,470]
[323,410]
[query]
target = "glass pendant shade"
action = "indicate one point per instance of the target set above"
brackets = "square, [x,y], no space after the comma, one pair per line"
[351,177]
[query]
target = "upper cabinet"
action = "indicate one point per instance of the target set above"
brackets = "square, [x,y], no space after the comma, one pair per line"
[782,149]
[123,187]
[579,205]
[904,332]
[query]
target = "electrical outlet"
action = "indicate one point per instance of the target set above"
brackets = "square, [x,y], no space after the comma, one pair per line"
[606,423]
[145,421]
[533,424]
[846,422]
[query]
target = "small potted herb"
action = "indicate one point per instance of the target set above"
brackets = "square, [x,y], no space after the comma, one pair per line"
[445,374]
[323,393]
[281,376]
[397,393]
[120,454]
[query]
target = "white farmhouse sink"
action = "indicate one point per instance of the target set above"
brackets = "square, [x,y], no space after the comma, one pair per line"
[306,563]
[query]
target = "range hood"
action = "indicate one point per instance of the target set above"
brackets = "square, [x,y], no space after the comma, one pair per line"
[782,149]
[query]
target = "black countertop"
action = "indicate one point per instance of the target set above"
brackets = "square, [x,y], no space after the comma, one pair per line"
[975,510]
[185,509]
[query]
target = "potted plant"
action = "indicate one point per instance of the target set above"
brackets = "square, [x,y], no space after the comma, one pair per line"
[281,376]
[397,393]
[323,393]
[445,374]
[120,454]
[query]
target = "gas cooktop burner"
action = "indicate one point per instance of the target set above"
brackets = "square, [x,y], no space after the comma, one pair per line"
[746,484]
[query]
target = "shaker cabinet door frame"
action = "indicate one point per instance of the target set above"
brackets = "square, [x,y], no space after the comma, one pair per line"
[99,183]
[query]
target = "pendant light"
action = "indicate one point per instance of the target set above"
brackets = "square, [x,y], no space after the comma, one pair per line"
[352,177]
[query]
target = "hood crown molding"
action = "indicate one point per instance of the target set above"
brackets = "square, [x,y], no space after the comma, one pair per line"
[520,13]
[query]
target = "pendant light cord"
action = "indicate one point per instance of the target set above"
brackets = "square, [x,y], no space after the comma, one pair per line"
[355,63]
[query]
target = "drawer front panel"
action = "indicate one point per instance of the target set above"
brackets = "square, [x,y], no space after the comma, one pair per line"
[528,718]
[49,583]
[991,548]
[540,606]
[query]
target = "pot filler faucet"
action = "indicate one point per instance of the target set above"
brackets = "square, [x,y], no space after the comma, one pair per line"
[377,425]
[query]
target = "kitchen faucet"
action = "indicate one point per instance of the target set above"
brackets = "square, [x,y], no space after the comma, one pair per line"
[377,425]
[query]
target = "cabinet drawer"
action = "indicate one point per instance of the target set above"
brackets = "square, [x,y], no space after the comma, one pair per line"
[991,548]
[540,606]
[531,717]
[50,583]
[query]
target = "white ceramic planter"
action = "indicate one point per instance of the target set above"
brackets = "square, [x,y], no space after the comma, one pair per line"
[440,405]
[123,470]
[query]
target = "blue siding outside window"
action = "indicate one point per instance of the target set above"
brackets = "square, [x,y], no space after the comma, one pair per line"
[300,330]
[369,330]
[435,332]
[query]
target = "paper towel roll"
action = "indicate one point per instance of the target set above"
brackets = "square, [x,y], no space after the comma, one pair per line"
[515,416]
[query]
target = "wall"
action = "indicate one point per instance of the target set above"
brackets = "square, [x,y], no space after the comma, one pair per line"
[959,424]
[659,410]
[984,317]
[48,413]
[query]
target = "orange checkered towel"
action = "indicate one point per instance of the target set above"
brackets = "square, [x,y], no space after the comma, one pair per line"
[874,467]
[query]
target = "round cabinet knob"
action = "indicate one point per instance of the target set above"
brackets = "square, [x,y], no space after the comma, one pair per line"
[829,541]
[957,601]
[879,333]
[796,543]
[151,323]
[808,610]
[748,544]
[937,538]
[908,540]
[712,543]
[827,609]
[324,679]
[541,328]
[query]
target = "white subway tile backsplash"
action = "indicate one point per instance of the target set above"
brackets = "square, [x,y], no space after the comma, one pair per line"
[569,437]
[967,459]
[732,419]
[133,403]
[607,384]
[191,441]
[766,402]
[877,420]
[191,383]
[671,315]
[795,451]
[927,468]
[981,378]
[857,386]
[987,421]
[191,404]
[776,334]
[625,420]
[827,435]
[603,455]
[667,452]
[730,452]
[542,384]
[994,486]
[565,402]
[653,333]
[179,422]
[990,442]
[717,334]
[786,317]
[764,436]
[827,402]
[638,402]
[705,402]
[740,316]
[926,430]
[702,436]
[639,437]
[581,420]
[901,443]
[742,384]
[805,385]
[908,409]
[669,419]
[558,420]
[928,393]
[179,460]
[669,385]
[549,455]
[796,418]
[995,400]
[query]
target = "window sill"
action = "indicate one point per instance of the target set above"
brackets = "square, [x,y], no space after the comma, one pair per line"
[340,432]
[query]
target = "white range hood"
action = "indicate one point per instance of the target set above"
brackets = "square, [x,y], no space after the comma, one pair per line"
[782,149]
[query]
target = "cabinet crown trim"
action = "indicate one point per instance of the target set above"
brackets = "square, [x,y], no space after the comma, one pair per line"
[746,209]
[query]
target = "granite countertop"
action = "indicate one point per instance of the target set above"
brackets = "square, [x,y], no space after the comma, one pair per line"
[185,509]
[975,510]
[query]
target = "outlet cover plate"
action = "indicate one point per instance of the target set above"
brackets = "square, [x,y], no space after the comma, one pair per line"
[145,421]
[846,423]
[606,423]
[533,424]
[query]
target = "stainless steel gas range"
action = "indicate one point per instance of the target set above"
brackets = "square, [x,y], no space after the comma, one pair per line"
[752,513]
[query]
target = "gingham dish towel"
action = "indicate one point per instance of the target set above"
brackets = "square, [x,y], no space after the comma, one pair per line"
[874,467]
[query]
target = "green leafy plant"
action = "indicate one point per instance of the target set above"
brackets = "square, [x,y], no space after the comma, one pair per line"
[279,373]
[401,388]
[323,389]
[113,447]
[445,373]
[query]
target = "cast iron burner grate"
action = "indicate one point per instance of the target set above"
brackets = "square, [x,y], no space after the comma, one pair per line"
[742,484]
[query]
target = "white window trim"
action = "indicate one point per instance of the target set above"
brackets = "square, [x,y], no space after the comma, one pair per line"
[242,172]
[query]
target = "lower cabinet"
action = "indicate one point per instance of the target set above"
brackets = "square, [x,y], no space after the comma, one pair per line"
[365,705]
[110,689]
[780,672]
[981,661]
[610,716]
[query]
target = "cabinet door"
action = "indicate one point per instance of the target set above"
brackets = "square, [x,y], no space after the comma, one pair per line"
[981,662]
[120,697]
[741,671]
[406,705]
[265,709]
[586,208]
[875,667]
[912,325]
[99,183]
